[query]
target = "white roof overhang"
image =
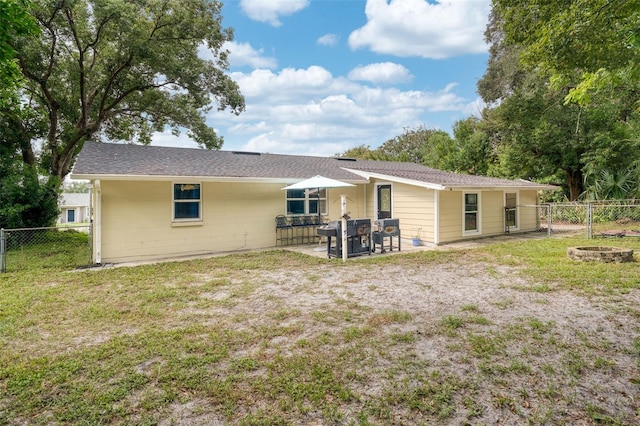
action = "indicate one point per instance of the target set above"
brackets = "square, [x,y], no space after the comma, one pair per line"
[168,178]
[391,178]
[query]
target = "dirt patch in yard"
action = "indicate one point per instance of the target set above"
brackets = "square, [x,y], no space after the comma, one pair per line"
[463,337]
[459,342]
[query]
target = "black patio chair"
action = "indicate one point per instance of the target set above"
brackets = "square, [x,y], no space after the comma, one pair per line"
[283,225]
[298,225]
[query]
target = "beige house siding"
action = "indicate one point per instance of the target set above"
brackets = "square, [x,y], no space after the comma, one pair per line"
[356,202]
[492,212]
[136,218]
[450,216]
[412,205]
[528,215]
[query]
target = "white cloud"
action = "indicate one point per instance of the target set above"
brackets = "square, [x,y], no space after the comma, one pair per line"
[311,112]
[244,54]
[328,40]
[475,107]
[287,84]
[418,28]
[270,11]
[167,138]
[384,72]
[274,144]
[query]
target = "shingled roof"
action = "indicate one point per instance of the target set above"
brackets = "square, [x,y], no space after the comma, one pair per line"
[127,161]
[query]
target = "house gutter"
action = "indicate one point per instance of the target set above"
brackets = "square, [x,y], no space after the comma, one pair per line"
[176,178]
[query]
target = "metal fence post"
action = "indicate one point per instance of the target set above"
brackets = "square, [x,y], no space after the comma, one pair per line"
[589,221]
[3,251]
[549,220]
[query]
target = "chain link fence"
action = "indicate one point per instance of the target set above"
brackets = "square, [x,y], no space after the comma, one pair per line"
[558,218]
[620,218]
[65,247]
[614,218]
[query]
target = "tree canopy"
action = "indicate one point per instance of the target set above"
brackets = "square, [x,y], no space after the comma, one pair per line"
[431,147]
[548,118]
[120,70]
[15,21]
[583,45]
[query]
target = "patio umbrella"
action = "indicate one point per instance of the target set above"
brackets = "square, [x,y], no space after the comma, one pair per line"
[318,182]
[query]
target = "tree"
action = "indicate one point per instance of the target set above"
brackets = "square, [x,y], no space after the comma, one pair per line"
[409,146]
[620,184]
[583,45]
[535,133]
[77,187]
[25,199]
[475,152]
[15,21]
[430,147]
[363,152]
[120,70]
[538,136]
[504,73]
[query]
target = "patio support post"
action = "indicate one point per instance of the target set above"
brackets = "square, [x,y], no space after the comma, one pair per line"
[3,251]
[343,211]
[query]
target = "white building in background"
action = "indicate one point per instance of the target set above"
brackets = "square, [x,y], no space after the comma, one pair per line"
[74,208]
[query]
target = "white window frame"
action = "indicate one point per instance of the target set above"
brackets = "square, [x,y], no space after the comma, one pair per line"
[478,212]
[306,201]
[504,198]
[75,215]
[174,201]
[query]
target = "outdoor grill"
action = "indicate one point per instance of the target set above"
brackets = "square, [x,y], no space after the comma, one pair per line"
[387,228]
[358,237]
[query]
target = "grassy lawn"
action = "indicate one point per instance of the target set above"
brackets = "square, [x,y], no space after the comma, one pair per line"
[281,338]
[39,249]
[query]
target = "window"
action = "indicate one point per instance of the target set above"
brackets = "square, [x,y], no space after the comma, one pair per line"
[471,214]
[71,215]
[510,212]
[186,201]
[307,201]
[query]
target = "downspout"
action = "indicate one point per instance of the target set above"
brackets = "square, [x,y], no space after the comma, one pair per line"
[97,221]
[436,217]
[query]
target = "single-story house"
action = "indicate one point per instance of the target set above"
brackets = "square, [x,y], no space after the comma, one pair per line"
[152,202]
[74,208]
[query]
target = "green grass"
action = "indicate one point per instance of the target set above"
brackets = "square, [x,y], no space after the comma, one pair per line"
[546,261]
[59,250]
[209,339]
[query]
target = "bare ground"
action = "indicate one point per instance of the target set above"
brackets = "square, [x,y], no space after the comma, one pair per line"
[506,353]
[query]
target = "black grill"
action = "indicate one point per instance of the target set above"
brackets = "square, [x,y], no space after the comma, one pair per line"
[387,228]
[358,237]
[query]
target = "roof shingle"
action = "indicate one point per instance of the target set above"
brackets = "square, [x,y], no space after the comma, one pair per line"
[101,160]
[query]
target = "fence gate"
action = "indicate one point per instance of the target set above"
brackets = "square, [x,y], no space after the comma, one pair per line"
[66,247]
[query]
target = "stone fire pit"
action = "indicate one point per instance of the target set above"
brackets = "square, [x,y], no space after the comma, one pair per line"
[600,254]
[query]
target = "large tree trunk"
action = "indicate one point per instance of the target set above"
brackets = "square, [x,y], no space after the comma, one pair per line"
[575,184]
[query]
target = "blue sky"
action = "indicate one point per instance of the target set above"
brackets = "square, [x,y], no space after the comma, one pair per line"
[322,76]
